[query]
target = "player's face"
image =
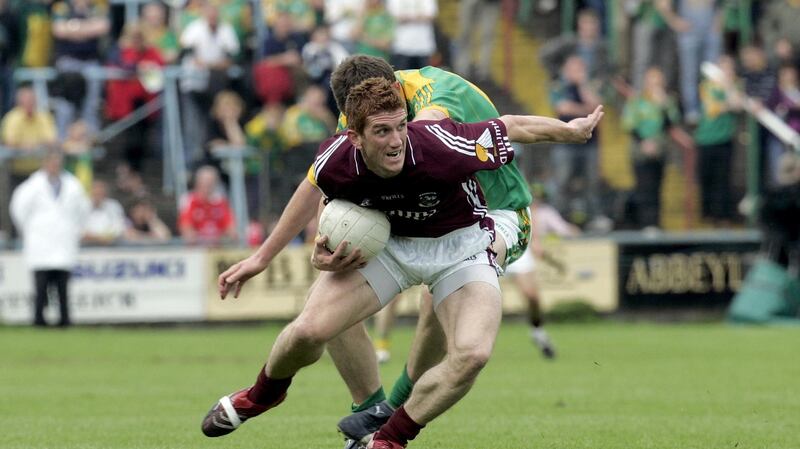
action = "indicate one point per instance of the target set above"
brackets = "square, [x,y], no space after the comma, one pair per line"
[383,143]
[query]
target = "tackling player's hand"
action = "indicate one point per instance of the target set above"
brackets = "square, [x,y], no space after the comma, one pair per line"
[235,276]
[324,260]
[583,127]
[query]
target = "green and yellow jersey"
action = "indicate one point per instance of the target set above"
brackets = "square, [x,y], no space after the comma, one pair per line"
[462,101]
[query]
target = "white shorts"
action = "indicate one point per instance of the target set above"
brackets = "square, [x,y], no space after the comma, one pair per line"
[508,227]
[444,264]
[525,264]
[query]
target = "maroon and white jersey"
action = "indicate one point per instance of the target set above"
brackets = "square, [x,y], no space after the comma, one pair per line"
[436,192]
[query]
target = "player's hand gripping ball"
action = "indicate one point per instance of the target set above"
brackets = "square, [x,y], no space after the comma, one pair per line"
[367,229]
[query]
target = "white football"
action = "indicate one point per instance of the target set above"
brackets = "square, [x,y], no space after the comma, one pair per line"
[366,229]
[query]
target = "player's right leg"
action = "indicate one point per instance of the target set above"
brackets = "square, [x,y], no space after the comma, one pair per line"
[470,318]
[429,345]
[336,302]
[427,350]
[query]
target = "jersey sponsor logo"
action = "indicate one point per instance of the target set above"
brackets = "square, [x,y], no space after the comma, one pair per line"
[483,144]
[394,196]
[428,199]
[502,142]
[366,202]
[412,215]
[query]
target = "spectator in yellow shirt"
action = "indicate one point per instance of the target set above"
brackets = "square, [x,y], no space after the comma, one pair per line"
[24,127]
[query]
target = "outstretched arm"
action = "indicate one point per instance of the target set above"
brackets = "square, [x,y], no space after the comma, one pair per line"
[537,129]
[302,207]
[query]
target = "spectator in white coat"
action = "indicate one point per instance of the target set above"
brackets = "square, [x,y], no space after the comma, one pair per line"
[49,210]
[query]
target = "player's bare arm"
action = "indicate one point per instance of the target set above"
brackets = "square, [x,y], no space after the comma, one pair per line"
[537,129]
[293,219]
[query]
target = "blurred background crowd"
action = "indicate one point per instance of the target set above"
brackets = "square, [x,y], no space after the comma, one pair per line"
[194,120]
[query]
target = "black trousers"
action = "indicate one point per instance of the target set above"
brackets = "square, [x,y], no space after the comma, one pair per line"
[57,281]
[649,174]
[715,180]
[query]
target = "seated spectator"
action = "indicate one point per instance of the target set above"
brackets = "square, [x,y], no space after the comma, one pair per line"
[648,116]
[78,27]
[225,129]
[374,31]
[27,129]
[226,121]
[280,62]
[144,225]
[321,56]
[308,121]
[156,32]
[106,221]
[205,216]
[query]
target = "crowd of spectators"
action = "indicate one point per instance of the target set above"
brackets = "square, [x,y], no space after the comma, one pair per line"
[257,74]
[256,77]
[669,105]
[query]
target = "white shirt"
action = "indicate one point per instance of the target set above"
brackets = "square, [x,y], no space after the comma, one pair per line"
[107,220]
[50,225]
[413,38]
[342,17]
[210,47]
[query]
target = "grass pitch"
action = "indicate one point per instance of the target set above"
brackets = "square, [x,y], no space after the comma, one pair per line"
[614,385]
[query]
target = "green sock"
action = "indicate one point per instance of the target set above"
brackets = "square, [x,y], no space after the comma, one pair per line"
[376,397]
[401,389]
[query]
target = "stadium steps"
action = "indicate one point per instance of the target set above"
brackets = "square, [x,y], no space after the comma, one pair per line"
[530,89]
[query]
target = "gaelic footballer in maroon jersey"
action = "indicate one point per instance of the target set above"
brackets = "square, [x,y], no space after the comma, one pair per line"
[436,191]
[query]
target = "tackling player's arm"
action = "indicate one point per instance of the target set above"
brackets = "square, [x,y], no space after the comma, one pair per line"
[536,129]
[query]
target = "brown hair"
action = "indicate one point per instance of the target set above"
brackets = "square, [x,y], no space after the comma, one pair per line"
[353,71]
[372,96]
